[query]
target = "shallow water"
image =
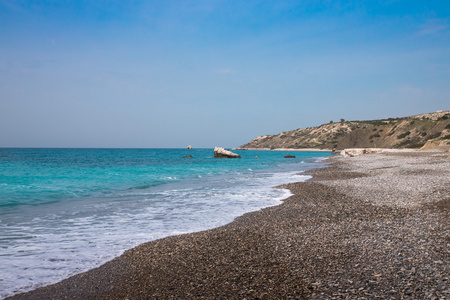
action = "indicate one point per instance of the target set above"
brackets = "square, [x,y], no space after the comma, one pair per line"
[65,211]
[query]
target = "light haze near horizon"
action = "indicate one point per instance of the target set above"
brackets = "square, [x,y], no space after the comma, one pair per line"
[213,73]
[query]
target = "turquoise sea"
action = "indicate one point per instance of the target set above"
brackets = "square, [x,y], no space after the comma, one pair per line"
[65,211]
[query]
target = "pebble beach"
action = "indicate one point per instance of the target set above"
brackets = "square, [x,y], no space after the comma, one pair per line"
[368,227]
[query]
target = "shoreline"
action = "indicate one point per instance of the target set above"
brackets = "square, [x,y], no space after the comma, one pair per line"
[351,231]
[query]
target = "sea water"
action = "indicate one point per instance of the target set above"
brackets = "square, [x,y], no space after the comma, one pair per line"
[65,211]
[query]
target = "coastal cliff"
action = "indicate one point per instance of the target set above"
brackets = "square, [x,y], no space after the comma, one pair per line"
[406,132]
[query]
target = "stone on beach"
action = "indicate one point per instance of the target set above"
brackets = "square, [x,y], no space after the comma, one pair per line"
[359,151]
[222,153]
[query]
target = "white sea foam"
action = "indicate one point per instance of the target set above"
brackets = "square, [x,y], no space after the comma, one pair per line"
[58,240]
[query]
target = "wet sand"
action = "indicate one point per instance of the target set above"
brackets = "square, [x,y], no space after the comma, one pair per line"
[367,227]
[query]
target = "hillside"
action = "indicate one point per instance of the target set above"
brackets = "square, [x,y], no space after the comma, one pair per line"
[407,132]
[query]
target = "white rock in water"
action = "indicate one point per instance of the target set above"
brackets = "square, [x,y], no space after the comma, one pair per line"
[222,153]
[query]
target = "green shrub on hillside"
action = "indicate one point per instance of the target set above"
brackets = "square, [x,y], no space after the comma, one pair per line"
[415,146]
[403,135]
[433,136]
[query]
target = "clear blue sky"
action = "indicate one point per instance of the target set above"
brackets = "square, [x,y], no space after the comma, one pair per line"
[213,73]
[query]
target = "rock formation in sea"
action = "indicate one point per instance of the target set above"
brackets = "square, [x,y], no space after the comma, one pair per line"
[222,153]
[335,152]
[189,147]
[289,156]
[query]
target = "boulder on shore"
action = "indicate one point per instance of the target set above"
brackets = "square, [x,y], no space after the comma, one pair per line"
[359,151]
[222,153]
[289,156]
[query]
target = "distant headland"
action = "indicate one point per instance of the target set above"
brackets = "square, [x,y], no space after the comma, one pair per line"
[424,131]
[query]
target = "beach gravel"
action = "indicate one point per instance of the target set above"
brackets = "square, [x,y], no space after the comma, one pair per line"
[368,227]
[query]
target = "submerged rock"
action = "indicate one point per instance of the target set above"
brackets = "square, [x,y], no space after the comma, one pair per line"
[289,156]
[222,153]
[187,156]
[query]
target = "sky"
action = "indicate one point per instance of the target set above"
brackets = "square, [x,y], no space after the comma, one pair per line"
[157,74]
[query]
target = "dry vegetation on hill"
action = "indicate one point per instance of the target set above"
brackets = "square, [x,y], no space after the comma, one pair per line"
[406,132]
